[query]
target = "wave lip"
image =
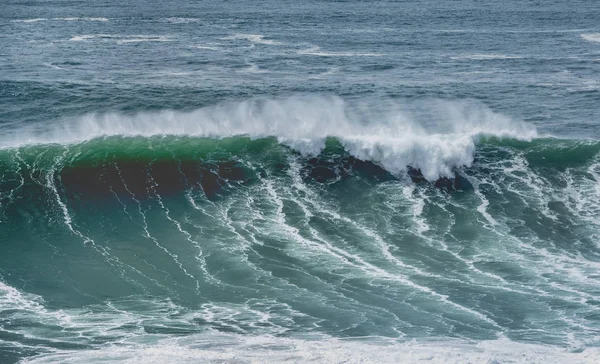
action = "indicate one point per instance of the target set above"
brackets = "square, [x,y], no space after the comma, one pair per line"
[434,136]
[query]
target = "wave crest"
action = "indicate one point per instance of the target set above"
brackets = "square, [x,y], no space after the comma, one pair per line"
[435,136]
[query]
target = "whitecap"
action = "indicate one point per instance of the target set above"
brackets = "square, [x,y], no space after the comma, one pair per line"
[35,20]
[122,39]
[486,56]
[254,38]
[210,48]
[53,66]
[79,38]
[591,37]
[144,38]
[82,19]
[316,51]
[437,142]
[176,20]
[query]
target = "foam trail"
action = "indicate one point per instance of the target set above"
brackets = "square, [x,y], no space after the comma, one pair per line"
[482,209]
[200,258]
[110,259]
[358,262]
[417,206]
[188,236]
[63,207]
[19,172]
[147,233]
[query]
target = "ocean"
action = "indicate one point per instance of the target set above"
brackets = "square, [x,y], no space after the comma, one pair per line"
[299,181]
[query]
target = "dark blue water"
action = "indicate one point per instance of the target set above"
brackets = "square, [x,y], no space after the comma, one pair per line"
[272,181]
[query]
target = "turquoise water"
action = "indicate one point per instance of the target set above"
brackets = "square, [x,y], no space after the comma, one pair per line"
[325,181]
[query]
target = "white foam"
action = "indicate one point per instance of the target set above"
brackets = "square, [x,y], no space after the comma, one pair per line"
[79,38]
[35,20]
[591,37]
[210,48]
[254,38]
[176,20]
[215,347]
[253,68]
[11,300]
[122,39]
[316,51]
[434,136]
[53,66]
[144,38]
[29,20]
[482,57]
[82,19]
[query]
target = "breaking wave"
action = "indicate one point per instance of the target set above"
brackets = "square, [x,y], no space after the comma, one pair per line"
[434,137]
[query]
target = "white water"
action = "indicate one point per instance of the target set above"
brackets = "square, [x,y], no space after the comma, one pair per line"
[234,348]
[434,136]
[592,37]
[216,347]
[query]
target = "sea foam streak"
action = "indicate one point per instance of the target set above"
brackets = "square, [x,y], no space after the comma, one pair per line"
[60,19]
[122,39]
[316,51]
[434,136]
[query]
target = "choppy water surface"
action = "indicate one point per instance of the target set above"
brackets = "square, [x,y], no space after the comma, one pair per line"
[335,181]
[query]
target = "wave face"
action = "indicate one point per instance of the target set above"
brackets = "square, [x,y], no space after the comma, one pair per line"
[217,241]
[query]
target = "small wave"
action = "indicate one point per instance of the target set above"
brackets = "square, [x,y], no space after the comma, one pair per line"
[176,20]
[35,20]
[122,39]
[254,38]
[482,57]
[51,65]
[79,38]
[210,48]
[144,38]
[82,19]
[591,37]
[253,68]
[316,51]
